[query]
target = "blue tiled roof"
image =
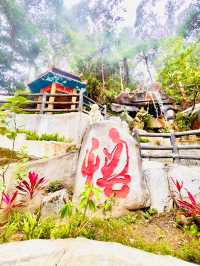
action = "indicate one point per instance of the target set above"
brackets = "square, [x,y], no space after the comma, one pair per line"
[56,76]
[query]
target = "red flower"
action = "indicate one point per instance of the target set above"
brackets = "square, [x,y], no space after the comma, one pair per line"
[34,185]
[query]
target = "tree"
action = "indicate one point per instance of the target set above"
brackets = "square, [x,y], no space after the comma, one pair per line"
[19,45]
[180,75]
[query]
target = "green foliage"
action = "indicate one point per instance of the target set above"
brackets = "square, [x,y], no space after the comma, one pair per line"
[183,121]
[67,210]
[193,230]
[21,167]
[143,140]
[32,135]
[180,74]
[142,120]
[148,214]
[15,104]
[12,226]
[54,186]
[128,230]
[31,226]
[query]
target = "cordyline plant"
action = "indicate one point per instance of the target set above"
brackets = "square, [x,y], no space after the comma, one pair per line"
[34,185]
[10,202]
[28,190]
[190,205]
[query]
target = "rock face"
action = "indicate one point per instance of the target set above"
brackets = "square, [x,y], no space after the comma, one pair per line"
[109,159]
[79,252]
[52,203]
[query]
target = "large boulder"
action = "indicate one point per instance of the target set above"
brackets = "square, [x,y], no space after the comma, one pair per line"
[79,252]
[109,159]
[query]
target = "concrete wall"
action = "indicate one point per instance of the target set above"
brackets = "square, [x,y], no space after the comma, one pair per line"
[37,149]
[159,181]
[70,125]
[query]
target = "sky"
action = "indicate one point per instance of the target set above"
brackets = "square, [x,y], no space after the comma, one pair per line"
[130,6]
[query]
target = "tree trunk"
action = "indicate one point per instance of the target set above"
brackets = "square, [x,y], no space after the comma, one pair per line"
[147,66]
[126,71]
[102,75]
[121,77]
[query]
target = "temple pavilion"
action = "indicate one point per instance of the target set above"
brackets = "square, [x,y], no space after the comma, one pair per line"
[55,82]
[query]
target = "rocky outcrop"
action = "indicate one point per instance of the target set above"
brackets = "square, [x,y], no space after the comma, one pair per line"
[79,252]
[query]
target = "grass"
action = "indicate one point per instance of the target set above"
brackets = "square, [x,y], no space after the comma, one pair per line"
[157,234]
[32,135]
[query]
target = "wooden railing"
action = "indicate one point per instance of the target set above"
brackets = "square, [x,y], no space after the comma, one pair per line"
[58,103]
[174,148]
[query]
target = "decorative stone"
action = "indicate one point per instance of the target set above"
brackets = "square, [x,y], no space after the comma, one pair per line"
[52,203]
[109,159]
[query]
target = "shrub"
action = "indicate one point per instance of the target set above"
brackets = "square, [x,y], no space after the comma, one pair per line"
[183,121]
[143,140]
[32,135]
[189,207]
[54,186]
[31,226]
[10,202]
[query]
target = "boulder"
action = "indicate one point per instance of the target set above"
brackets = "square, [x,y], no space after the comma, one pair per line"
[109,159]
[79,252]
[53,202]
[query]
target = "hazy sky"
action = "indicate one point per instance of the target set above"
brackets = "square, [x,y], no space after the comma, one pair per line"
[130,5]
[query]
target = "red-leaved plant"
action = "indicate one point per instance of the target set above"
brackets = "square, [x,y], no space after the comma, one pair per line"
[190,205]
[10,202]
[34,185]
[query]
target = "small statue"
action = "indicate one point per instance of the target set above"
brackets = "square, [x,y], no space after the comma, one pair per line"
[95,114]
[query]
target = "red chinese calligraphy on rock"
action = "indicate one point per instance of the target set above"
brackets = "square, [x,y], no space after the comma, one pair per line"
[115,178]
[90,163]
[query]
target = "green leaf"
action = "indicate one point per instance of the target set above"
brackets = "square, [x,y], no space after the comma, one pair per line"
[92,205]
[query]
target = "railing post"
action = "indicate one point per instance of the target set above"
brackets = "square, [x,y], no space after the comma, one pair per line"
[80,100]
[175,151]
[104,110]
[42,106]
[136,135]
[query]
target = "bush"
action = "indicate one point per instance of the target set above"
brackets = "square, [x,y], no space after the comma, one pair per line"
[183,121]
[54,186]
